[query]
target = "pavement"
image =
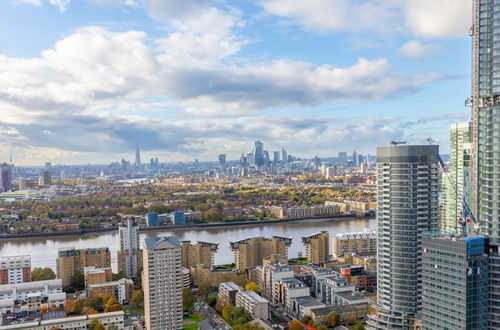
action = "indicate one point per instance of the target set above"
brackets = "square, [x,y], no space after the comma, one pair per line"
[211,316]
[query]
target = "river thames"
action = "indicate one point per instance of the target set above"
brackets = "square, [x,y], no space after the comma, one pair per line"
[43,251]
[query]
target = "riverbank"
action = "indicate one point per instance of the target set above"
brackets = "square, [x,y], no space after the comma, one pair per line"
[190,226]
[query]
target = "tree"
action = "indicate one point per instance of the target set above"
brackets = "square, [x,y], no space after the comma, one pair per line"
[94,324]
[78,281]
[44,310]
[306,319]
[113,308]
[187,300]
[95,302]
[252,286]
[296,325]
[137,298]
[91,311]
[359,326]
[73,306]
[212,301]
[42,274]
[247,326]
[333,318]
[227,312]
[204,287]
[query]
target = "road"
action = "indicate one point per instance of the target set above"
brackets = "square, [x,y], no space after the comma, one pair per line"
[213,318]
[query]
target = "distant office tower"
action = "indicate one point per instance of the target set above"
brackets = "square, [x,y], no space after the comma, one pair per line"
[243,160]
[284,155]
[137,162]
[251,158]
[317,247]
[6,177]
[222,160]
[454,282]
[407,195]
[361,159]
[162,283]
[199,253]
[23,184]
[276,156]
[125,165]
[48,166]
[71,261]
[251,251]
[342,158]
[267,158]
[456,178]
[354,158]
[259,153]
[15,269]
[130,254]
[46,178]
[362,168]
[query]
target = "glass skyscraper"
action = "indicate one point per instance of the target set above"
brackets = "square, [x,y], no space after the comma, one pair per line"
[485,161]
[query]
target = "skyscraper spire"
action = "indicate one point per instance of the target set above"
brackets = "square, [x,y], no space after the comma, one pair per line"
[138,164]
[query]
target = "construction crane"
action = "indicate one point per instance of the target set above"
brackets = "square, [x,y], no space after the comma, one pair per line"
[466,216]
[396,143]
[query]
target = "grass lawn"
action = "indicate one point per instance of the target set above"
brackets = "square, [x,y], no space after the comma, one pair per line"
[190,327]
[139,310]
[196,317]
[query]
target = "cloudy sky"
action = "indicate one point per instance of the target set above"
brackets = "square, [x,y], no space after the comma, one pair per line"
[83,81]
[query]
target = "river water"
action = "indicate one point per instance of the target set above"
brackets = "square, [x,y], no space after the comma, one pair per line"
[43,251]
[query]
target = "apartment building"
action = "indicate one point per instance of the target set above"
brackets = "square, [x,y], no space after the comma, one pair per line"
[227,293]
[250,252]
[254,304]
[354,243]
[317,247]
[31,296]
[72,261]
[268,275]
[15,269]
[162,283]
[198,253]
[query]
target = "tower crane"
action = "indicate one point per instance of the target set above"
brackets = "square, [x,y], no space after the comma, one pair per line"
[466,215]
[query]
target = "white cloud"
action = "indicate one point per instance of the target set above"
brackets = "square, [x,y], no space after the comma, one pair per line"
[438,18]
[62,5]
[84,88]
[416,49]
[332,16]
[167,11]
[422,18]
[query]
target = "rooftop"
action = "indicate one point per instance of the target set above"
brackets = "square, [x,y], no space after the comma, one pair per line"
[308,301]
[358,235]
[229,286]
[112,283]
[31,286]
[250,295]
[158,242]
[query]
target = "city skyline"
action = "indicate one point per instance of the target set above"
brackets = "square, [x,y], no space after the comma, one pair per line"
[184,88]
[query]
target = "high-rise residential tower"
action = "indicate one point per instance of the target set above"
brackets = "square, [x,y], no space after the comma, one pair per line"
[130,254]
[162,283]
[407,194]
[456,178]
[485,160]
[284,155]
[199,253]
[15,269]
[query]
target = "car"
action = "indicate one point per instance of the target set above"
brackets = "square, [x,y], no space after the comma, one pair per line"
[227,327]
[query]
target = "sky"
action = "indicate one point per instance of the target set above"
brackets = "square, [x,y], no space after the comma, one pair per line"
[84,81]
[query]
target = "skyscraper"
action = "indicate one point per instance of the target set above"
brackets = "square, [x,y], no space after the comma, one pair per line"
[455,179]
[485,158]
[284,155]
[222,160]
[259,153]
[407,194]
[129,255]
[137,163]
[276,156]
[454,282]
[6,177]
[162,283]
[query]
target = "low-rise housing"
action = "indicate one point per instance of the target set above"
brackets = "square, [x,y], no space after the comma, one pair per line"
[254,304]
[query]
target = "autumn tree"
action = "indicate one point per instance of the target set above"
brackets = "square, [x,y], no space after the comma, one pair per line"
[94,324]
[137,298]
[333,318]
[42,274]
[212,301]
[252,286]
[296,325]
[359,326]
